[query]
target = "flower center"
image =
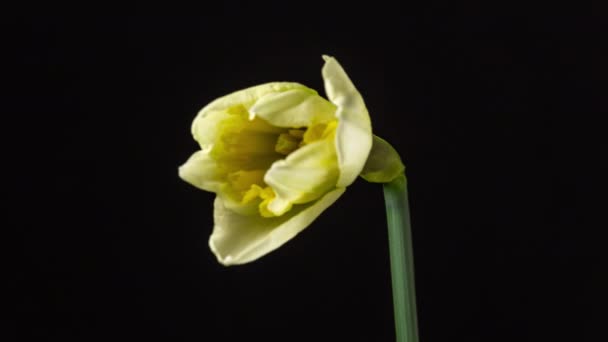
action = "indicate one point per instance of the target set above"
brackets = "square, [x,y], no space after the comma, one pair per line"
[289,142]
[246,150]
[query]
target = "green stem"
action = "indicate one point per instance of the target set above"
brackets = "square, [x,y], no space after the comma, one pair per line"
[402,259]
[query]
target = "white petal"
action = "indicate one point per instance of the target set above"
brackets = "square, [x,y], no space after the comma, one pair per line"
[201,171]
[238,239]
[203,126]
[303,176]
[293,108]
[354,132]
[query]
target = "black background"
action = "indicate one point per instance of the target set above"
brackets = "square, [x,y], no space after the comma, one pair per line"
[490,109]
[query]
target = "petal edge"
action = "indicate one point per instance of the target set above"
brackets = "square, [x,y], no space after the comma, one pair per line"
[354,132]
[238,239]
[201,171]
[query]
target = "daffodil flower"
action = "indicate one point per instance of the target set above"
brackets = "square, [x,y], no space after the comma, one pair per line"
[277,155]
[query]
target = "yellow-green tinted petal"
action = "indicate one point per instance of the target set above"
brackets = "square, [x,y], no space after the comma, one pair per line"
[354,132]
[238,239]
[201,171]
[205,128]
[383,164]
[202,126]
[303,176]
[293,108]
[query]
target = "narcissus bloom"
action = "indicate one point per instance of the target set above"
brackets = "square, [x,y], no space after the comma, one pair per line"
[277,155]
